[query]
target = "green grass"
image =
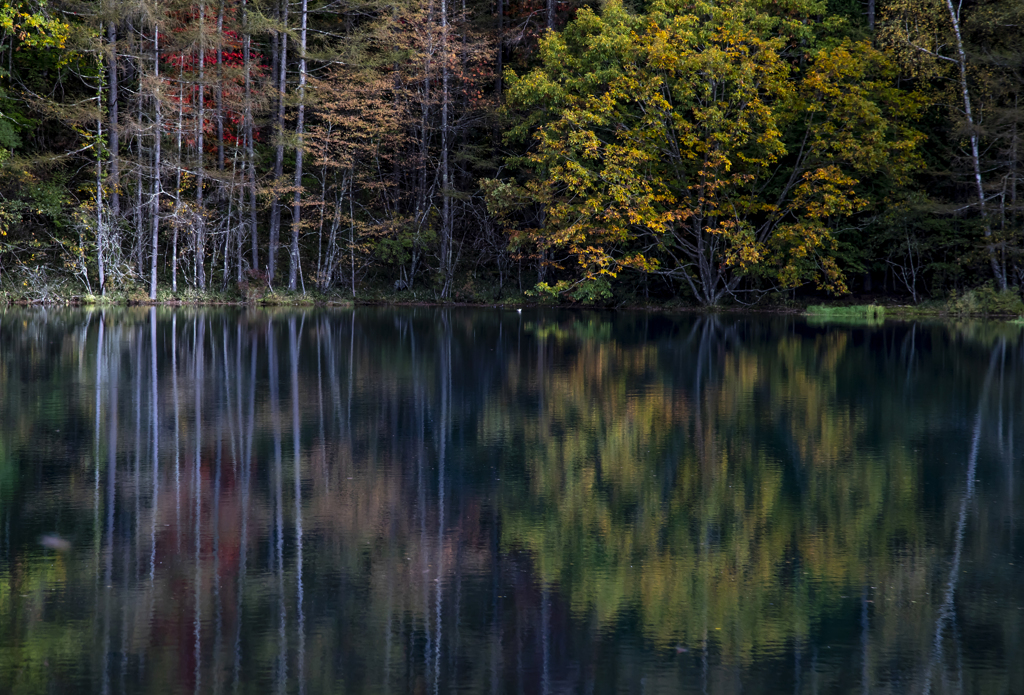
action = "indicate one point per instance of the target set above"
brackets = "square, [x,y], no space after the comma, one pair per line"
[858,314]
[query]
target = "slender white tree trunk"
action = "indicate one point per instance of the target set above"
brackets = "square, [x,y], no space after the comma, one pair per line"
[275,210]
[100,232]
[200,250]
[177,186]
[293,269]
[954,18]
[446,216]
[247,117]
[115,161]
[158,133]
[220,87]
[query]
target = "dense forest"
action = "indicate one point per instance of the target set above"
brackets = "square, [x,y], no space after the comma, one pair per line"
[707,151]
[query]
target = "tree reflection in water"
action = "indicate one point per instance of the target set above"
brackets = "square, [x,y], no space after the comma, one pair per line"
[489,501]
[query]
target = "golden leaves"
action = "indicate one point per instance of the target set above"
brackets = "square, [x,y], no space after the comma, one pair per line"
[686,134]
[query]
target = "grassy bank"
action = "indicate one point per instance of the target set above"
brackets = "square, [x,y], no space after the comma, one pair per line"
[981,302]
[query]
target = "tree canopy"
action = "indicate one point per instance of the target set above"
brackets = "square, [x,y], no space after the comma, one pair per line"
[699,150]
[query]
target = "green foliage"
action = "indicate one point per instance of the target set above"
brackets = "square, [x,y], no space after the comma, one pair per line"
[987,301]
[705,150]
[682,142]
[862,314]
[593,290]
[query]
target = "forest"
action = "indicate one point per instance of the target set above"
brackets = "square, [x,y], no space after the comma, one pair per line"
[706,152]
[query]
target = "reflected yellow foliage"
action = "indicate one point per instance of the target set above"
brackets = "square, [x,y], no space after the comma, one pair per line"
[733,506]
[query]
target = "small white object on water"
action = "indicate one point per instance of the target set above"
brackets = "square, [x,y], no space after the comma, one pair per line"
[57,543]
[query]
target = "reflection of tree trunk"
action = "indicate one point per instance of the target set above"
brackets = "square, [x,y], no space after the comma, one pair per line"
[297,472]
[1009,458]
[947,609]
[231,378]
[545,637]
[390,576]
[277,540]
[496,623]
[520,685]
[177,430]
[244,535]
[137,517]
[421,497]
[197,380]
[96,441]
[321,326]
[442,455]
[108,543]
[154,418]
[865,683]
[797,668]
[333,377]
[217,607]
[351,375]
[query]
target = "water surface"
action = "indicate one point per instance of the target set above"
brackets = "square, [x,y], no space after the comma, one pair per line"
[482,501]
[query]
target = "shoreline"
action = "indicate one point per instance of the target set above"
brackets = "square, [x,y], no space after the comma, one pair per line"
[836,310]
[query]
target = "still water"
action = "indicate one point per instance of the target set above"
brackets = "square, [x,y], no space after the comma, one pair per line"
[483,501]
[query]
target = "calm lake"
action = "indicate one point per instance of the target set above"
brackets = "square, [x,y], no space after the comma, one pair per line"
[485,501]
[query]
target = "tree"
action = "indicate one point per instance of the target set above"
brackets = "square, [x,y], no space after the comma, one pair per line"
[685,143]
[33,47]
[970,57]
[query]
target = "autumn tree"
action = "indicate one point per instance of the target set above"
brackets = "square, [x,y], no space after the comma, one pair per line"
[684,142]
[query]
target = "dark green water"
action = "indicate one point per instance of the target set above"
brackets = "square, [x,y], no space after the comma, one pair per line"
[428,501]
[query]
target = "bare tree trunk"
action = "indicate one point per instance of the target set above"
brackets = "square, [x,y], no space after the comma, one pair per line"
[954,18]
[1015,160]
[220,87]
[275,208]
[227,229]
[446,212]
[422,195]
[293,268]
[99,199]
[352,233]
[250,154]
[139,235]
[542,268]
[115,145]
[871,15]
[323,279]
[240,256]
[156,161]
[177,184]
[200,250]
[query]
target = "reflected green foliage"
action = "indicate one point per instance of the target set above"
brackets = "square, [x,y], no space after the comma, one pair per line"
[411,500]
